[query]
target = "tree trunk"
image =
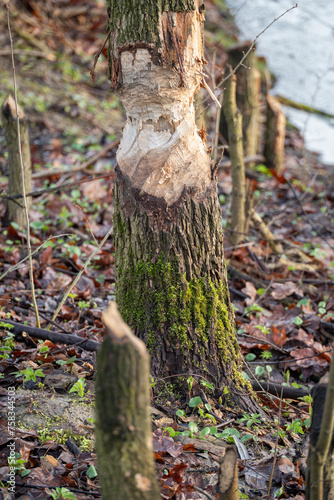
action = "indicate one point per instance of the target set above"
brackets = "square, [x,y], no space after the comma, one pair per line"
[320,462]
[234,125]
[171,285]
[248,95]
[275,135]
[15,210]
[123,424]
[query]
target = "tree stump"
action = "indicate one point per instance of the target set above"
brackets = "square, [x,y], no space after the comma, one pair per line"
[15,209]
[228,485]
[123,425]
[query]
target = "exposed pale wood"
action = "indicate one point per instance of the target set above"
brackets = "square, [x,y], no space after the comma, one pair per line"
[228,476]
[15,211]
[234,122]
[275,134]
[123,425]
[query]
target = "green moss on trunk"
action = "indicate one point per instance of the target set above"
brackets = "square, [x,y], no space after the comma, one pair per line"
[193,313]
[176,297]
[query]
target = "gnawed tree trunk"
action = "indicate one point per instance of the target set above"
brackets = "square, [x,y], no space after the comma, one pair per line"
[123,424]
[234,124]
[15,210]
[171,285]
[275,135]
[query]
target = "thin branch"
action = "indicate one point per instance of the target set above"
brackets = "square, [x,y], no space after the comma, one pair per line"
[25,206]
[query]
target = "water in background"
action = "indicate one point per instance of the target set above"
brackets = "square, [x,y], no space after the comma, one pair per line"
[299,49]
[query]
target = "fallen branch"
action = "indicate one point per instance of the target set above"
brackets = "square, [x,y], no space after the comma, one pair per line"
[20,330]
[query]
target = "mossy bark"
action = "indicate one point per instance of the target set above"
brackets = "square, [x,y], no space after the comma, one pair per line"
[171,285]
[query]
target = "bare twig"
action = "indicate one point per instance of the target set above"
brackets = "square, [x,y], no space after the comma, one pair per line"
[247,53]
[25,206]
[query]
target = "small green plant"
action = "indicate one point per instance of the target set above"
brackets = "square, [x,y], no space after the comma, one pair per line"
[30,374]
[296,426]
[18,464]
[69,362]
[79,387]
[254,308]
[297,321]
[266,355]
[190,383]
[83,304]
[253,418]
[207,384]
[321,308]
[62,493]
[43,348]
[263,329]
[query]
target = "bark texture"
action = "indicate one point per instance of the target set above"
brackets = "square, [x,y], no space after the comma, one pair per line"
[123,425]
[15,210]
[248,95]
[228,485]
[234,123]
[320,461]
[275,135]
[171,285]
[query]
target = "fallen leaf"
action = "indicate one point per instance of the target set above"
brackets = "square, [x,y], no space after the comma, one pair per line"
[283,290]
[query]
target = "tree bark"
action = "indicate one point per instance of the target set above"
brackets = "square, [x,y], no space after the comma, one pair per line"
[247,94]
[234,124]
[320,461]
[123,424]
[171,284]
[275,135]
[15,210]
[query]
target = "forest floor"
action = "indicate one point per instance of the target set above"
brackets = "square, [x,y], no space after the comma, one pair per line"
[284,304]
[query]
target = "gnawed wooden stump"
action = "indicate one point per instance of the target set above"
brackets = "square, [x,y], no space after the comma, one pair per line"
[228,476]
[15,210]
[123,426]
